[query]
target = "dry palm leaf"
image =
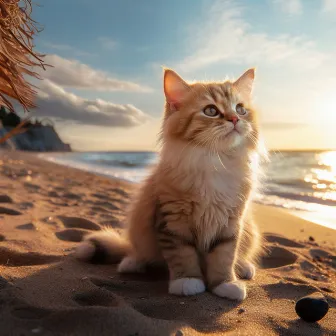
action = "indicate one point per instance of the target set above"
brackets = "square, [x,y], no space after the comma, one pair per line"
[17,56]
[14,131]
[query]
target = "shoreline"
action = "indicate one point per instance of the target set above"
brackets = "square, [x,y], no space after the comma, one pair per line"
[47,208]
[322,218]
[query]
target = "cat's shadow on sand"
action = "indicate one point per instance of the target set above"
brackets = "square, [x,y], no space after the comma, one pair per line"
[74,298]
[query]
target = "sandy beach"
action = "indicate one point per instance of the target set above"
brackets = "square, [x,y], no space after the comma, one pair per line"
[46,209]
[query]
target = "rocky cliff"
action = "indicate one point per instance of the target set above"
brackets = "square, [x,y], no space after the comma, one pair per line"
[41,138]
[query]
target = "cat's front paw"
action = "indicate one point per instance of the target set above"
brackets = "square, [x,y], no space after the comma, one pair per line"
[246,271]
[234,290]
[186,286]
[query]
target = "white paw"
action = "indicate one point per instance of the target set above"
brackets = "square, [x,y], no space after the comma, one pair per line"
[248,271]
[186,286]
[131,265]
[234,290]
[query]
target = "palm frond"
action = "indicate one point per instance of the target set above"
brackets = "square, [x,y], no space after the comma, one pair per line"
[14,131]
[17,55]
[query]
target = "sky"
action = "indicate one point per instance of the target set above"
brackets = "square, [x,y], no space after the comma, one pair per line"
[104,91]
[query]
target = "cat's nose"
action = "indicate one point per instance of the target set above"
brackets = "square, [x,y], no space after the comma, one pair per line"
[234,120]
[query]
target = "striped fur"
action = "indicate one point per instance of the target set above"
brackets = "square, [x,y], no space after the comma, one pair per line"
[193,210]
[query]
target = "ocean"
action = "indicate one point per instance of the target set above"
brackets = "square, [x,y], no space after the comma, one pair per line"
[302,182]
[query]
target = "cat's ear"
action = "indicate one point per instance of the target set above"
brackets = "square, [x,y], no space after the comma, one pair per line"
[244,84]
[175,88]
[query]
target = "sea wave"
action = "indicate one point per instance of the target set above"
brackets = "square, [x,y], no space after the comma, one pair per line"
[291,180]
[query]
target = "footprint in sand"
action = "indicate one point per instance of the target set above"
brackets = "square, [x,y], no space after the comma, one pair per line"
[157,283]
[60,189]
[107,198]
[28,226]
[72,235]
[78,222]
[295,280]
[26,205]
[97,297]
[99,209]
[271,238]
[12,258]
[30,313]
[289,291]
[10,212]
[101,196]
[320,255]
[53,194]
[277,257]
[5,199]
[72,196]
[119,192]
[31,186]
[107,205]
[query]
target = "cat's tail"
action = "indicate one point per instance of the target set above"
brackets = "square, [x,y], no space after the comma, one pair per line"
[106,246]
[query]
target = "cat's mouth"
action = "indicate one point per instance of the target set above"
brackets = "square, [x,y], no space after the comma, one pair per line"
[234,131]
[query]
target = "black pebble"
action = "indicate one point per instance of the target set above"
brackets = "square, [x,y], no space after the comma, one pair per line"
[311,238]
[312,308]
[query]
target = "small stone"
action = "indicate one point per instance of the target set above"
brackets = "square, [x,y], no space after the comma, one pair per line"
[181,303]
[311,238]
[312,308]
[179,333]
[241,311]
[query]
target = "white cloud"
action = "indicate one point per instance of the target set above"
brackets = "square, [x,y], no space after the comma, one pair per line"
[53,101]
[329,6]
[107,43]
[291,7]
[226,36]
[74,74]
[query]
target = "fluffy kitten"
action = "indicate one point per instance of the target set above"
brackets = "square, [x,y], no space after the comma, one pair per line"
[192,211]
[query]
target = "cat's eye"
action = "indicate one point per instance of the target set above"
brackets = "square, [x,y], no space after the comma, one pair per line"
[240,109]
[211,111]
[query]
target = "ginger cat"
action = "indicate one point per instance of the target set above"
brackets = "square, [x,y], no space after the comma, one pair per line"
[192,211]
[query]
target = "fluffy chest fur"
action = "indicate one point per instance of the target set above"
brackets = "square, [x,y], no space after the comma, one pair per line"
[210,178]
[207,186]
